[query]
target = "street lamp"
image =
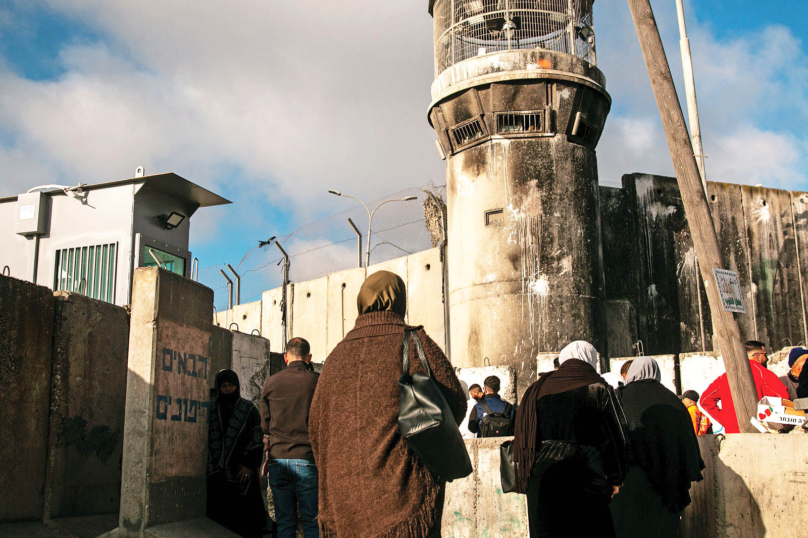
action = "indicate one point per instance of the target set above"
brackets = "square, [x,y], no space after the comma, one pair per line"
[371,213]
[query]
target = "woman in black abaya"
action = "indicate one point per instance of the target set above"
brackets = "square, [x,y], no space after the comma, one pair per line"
[663,456]
[569,448]
[235,450]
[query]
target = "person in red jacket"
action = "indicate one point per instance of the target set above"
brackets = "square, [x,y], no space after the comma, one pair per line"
[766,384]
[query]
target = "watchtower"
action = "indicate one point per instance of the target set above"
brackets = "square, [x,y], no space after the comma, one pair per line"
[518,105]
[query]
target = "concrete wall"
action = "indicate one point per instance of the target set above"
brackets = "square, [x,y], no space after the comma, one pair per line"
[88,394]
[26,332]
[246,316]
[324,310]
[174,353]
[251,363]
[475,506]
[651,267]
[752,487]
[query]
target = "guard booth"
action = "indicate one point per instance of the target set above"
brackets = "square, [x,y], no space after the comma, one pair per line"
[88,239]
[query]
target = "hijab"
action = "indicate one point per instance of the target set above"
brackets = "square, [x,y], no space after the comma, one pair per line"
[383,291]
[661,440]
[577,370]
[226,402]
[642,369]
[614,379]
[583,351]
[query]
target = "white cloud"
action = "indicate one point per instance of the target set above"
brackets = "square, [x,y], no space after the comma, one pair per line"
[305,96]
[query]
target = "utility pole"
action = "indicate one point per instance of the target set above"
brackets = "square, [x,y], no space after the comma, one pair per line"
[697,211]
[690,93]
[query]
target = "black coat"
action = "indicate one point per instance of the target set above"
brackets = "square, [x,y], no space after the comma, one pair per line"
[581,456]
[664,459]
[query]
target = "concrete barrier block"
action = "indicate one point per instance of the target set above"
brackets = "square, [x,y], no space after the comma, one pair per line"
[90,343]
[460,503]
[174,351]
[251,363]
[343,288]
[698,370]
[271,317]
[475,507]
[470,376]
[424,294]
[667,367]
[751,487]
[498,514]
[310,309]
[247,317]
[26,333]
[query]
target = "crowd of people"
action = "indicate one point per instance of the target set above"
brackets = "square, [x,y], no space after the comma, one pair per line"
[612,455]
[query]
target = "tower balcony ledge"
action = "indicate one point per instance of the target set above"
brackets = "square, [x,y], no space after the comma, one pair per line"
[514,65]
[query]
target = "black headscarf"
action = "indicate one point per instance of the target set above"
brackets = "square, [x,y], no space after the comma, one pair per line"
[227,401]
[661,440]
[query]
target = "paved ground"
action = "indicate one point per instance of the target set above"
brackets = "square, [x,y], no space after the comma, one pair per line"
[73,527]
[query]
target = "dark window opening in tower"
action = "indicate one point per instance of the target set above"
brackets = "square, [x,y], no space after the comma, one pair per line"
[520,122]
[467,132]
[584,132]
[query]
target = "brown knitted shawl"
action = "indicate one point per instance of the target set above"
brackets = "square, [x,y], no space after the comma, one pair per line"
[371,485]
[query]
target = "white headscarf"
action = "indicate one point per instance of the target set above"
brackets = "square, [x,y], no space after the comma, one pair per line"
[583,351]
[614,379]
[643,368]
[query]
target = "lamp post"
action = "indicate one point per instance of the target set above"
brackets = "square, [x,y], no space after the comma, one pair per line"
[371,213]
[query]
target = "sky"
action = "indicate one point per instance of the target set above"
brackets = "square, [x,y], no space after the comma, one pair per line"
[270,104]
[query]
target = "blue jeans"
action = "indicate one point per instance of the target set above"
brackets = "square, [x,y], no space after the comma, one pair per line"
[294,483]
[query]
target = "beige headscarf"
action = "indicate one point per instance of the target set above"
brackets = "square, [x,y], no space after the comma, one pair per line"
[383,291]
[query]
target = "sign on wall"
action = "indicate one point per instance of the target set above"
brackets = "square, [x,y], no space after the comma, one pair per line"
[729,286]
[181,385]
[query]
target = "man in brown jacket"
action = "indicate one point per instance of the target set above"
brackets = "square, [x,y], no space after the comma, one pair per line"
[284,406]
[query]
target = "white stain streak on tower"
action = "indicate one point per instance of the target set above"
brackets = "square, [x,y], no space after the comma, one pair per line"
[518,106]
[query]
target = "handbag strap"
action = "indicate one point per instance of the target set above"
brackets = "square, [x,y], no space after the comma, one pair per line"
[419,347]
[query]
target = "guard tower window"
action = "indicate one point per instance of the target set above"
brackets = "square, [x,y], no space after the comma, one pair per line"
[467,132]
[584,132]
[170,262]
[87,270]
[520,122]
[494,217]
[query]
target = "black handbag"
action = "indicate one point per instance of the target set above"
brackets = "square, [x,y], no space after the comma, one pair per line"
[426,422]
[507,467]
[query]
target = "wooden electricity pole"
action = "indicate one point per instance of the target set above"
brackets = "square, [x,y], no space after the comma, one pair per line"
[697,211]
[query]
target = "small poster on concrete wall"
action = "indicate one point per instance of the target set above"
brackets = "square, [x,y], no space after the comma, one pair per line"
[729,286]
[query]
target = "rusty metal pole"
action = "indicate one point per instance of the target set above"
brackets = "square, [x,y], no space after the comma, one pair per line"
[697,211]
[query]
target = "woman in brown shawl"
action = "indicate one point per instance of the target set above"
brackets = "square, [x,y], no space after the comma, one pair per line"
[371,484]
[569,448]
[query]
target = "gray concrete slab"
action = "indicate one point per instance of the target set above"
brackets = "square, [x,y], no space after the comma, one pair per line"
[90,341]
[174,353]
[26,333]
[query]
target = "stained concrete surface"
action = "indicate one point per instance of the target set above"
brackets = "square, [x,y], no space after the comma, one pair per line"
[88,395]
[476,507]
[26,334]
[174,353]
[251,363]
[752,487]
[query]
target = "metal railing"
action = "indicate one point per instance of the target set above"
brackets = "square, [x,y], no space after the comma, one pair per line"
[468,28]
